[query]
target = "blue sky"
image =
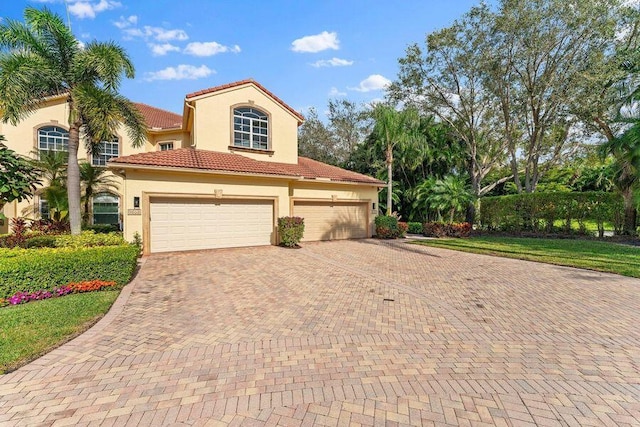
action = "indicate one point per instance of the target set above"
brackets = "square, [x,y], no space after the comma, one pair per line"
[306,52]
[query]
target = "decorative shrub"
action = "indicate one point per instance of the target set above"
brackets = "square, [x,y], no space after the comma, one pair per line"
[31,270]
[290,230]
[102,228]
[415,227]
[49,226]
[43,241]
[88,239]
[537,212]
[387,227]
[441,229]
[402,229]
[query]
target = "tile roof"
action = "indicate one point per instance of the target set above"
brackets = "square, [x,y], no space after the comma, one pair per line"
[189,158]
[243,82]
[158,118]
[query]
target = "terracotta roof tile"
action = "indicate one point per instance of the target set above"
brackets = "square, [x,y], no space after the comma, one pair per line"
[190,158]
[158,118]
[243,82]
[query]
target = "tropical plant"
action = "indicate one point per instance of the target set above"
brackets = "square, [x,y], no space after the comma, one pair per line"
[51,61]
[18,178]
[626,152]
[393,128]
[94,180]
[451,194]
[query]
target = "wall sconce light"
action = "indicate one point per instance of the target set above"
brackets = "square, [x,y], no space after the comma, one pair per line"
[136,202]
[373,206]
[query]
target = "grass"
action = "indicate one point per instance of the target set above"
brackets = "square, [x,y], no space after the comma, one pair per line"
[589,254]
[30,330]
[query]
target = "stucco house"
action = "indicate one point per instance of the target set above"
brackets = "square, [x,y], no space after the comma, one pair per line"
[219,176]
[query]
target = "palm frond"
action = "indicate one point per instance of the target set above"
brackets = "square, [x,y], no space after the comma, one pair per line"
[103,63]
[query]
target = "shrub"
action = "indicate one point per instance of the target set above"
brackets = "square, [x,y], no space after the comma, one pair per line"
[31,270]
[440,229]
[415,228]
[102,228]
[43,241]
[402,229]
[49,226]
[434,229]
[386,227]
[537,212]
[88,239]
[290,230]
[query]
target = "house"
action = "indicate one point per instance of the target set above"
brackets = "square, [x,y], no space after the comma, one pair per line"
[219,176]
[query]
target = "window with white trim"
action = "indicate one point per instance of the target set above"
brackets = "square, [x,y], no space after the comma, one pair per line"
[53,138]
[106,151]
[166,146]
[250,128]
[106,209]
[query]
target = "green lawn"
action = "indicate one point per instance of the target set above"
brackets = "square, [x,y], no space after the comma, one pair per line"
[28,331]
[589,254]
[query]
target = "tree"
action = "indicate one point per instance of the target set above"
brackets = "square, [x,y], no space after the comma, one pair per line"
[49,60]
[315,140]
[393,128]
[18,177]
[349,124]
[450,194]
[626,150]
[448,81]
[94,180]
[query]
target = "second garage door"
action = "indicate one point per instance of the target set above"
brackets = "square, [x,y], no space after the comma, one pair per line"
[332,221]
[179,224]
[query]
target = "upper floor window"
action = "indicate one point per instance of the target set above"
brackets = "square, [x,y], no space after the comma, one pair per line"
[107,150]
[166,146]
[250,128]
[53,138]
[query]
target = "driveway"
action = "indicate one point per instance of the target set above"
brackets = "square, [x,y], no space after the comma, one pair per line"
[346,333]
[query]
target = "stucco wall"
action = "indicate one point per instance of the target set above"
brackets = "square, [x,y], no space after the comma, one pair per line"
[214,123]
[284,191]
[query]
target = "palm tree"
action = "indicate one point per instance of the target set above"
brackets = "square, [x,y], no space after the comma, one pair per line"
[394,128]
[41,58]
[626,152]
[94,180]
[52,165]
[450,194]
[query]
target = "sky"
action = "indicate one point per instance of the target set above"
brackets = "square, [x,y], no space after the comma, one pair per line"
[305,52]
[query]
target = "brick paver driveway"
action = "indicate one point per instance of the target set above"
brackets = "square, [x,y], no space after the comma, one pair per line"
[340,333]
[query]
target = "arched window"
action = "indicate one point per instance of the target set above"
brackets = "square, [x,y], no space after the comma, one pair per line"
[250,128]
[53,138]
[106,209]
[106,151]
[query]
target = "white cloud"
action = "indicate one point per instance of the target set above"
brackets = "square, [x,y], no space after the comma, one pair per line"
[333,62]
[371,83]
[86,9]
[335,92]
[181,72]
[157,33]
[209,48]
[123,22]
[316,43]
[163,35]
[163,49]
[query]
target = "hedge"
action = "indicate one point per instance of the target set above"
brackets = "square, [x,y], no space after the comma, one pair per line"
[30,270]
[538,211]
[290,230]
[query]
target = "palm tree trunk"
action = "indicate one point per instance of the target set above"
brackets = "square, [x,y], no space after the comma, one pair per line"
[87,198]
[73,179]
[390,179]
[630,212]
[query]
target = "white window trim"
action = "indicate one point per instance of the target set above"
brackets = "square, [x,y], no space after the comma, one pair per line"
[59,143]
[253,125]
[161,143]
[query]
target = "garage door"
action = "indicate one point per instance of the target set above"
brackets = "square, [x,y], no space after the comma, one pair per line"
[179,225]
[332,221]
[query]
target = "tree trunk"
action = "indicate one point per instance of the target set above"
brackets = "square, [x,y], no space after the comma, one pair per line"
[470,215]
[87,198]
[630,213]
[390,179]
[73,179]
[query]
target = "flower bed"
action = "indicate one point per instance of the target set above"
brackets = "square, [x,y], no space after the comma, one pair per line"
[71,288]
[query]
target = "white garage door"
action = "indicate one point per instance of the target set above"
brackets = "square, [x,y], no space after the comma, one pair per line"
[332,221]
[180,225]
